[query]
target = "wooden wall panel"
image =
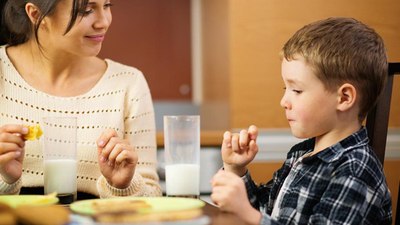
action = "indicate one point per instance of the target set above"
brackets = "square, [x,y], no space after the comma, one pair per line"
[153,36]
[259,29]
[215,112]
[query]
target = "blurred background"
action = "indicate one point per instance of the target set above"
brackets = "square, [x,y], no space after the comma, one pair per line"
[220,59]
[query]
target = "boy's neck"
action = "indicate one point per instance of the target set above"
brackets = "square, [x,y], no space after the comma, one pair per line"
[335,135]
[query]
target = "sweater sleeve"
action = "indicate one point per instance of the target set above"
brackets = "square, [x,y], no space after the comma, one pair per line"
[10,189]
[140,130]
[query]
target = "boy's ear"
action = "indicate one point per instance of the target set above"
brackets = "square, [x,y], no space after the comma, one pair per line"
[347,96]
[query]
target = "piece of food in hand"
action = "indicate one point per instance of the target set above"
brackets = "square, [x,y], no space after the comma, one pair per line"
[34,132]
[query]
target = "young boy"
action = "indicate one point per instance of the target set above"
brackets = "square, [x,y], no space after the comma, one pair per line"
[333,71]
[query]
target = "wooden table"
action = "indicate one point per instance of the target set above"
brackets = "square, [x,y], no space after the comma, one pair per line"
[217,217]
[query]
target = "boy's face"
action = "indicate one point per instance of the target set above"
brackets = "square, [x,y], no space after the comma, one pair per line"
[310,108]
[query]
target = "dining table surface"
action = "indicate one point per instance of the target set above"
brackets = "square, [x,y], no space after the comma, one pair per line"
[218,217]
[213,213]
[213,216]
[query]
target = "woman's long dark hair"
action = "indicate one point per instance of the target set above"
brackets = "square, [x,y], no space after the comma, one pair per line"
[16,27]
[3,31]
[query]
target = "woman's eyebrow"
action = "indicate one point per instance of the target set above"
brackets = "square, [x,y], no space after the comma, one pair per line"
[95,3]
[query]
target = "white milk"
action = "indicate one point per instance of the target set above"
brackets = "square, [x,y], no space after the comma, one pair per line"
[182,179]
[60,176]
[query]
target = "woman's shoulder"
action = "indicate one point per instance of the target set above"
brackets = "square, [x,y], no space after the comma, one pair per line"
[118,74]
[118,69]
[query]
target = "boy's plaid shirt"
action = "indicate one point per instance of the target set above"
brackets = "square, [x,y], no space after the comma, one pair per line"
[343,184]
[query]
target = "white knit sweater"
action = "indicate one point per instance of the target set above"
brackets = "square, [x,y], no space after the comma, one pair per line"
[121,100]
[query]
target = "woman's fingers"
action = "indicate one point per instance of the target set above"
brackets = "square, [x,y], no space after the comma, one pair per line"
[11,138]
[114,150]
[14,128]
[126,156]
[8,156]
[120,153]
[6,147]
[106,150]
[105,138]
[118,148]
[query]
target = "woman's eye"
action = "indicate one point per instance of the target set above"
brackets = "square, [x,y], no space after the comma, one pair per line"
[87,12]
[108,5]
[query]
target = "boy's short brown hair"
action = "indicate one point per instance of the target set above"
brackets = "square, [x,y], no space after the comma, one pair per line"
[343,50]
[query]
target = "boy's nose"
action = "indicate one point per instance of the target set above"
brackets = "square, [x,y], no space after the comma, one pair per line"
[284,103]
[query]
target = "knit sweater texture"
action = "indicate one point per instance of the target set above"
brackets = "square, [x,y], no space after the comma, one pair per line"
[120,100]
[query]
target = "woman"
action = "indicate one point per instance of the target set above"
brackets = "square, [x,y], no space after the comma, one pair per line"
[50,68]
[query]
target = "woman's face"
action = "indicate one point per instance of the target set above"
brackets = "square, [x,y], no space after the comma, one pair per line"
[86,35]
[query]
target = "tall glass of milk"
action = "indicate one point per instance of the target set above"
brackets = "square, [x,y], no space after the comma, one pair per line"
[182,155]
[60,161]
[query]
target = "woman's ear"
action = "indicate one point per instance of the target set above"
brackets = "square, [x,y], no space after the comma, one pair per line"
[347,96]
[33,12]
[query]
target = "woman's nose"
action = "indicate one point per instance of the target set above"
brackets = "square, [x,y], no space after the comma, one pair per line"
[103,20]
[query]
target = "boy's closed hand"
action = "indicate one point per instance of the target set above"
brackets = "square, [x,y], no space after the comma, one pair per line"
[117,159]
[239,149]
[229,194]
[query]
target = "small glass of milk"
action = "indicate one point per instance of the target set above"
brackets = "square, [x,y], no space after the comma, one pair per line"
[60,161]
[182,155]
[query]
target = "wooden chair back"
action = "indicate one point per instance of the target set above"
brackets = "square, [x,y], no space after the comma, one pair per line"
[378,117]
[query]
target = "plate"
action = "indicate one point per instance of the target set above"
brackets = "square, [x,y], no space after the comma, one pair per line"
[17,200]
[158,204]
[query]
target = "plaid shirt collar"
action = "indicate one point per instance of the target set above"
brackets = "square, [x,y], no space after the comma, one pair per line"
[335,152]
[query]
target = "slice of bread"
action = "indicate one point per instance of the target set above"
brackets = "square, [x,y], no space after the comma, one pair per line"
[129,217]
[125,206]
[134,210]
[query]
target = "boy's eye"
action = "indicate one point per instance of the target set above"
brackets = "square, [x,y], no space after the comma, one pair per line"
[294,90]
[297,91]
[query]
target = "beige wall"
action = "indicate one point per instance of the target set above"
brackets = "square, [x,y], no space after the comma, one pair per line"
[241,44]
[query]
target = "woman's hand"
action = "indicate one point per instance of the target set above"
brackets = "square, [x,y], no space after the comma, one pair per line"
[12,151]
[229,193]
[239,149]
[117,159]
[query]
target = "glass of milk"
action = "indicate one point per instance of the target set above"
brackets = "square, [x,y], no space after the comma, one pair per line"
[60,161]
[182,155]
